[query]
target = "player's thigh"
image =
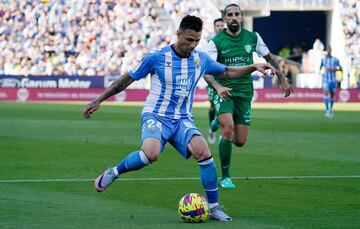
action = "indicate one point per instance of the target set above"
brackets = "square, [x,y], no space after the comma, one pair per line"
[154,134]
[242,112]
[182,135]
[326,88]
[199,148]
[225,105]
[332,88]
[241,133]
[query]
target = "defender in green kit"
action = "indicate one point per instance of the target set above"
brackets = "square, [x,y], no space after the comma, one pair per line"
[234,46]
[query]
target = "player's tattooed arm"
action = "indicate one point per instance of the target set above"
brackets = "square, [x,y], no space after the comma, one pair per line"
[116,87]
[284,85]
[221,90]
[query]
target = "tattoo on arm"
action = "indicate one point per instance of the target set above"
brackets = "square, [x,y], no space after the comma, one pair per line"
[209,80]
[117,86]
[272,60]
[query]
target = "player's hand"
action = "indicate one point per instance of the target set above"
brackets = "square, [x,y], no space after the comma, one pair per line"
[223,91]
[285,87]
[90,108]
[264,68]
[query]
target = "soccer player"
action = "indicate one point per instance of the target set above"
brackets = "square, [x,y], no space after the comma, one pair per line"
[218,26]
[167,114]
[329,65]
[234,46]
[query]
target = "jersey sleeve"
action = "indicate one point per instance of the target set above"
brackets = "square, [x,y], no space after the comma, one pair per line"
[212,67]
[261,47]
[145,67]
[211,50]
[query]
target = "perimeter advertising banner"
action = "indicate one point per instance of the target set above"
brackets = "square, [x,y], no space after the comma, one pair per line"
[58,88]
[8,81]
[139,95]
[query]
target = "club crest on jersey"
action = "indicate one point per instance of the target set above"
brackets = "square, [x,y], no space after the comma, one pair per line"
[247,48]
[197,62]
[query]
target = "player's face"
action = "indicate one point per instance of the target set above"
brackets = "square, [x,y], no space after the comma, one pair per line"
[187,41]
[233,18]
[218,26]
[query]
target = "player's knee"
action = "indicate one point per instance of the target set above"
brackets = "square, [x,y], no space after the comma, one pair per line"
[152,155]
[239,143]
[200,152]
[227,132]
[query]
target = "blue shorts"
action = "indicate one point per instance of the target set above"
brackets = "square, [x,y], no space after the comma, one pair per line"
[329,86]
[177,132]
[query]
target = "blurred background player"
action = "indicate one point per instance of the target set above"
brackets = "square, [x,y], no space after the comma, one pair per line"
[234,46]
[167,114]
[218,26]
[329,66]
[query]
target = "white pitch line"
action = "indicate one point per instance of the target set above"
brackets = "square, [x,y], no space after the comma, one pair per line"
[181,178]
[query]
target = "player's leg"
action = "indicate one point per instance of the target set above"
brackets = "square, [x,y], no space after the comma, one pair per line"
[225,148]
[208,174]
[242,120]
[241,133]
[188,141]
[212,136]
[214,125]
[151,147]
[332,91]
[225,117]
[326,99]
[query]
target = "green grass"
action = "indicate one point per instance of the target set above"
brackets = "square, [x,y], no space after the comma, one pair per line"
[53,141]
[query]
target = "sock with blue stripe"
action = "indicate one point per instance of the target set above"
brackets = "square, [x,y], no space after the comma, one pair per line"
[326,101]
[332,100]
[134,161]
[209,179]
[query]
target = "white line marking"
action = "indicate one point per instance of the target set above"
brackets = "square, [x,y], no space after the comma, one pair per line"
[181,178]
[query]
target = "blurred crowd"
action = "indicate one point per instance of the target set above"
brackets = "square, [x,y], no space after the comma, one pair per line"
[350,17]
[83,37]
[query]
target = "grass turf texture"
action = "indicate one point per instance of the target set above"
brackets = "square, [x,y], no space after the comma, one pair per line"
[53,141]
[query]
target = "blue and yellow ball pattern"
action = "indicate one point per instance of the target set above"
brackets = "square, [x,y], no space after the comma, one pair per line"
[193,208]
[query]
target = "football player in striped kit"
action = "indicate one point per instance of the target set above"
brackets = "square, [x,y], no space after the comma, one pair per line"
[329,66]
[167,114]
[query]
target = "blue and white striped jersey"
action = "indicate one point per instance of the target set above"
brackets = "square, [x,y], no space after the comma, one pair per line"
[173,80]
[329,62]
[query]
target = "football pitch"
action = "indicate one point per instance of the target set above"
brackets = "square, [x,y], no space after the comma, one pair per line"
[298,170]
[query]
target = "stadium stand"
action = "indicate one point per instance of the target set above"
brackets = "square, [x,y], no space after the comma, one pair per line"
[350,18]
[102,37]
[84,37]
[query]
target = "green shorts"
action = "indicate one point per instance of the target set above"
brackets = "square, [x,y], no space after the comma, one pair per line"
[238,107]
[212,93]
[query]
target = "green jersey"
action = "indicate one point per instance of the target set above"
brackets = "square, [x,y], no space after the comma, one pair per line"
[237,51]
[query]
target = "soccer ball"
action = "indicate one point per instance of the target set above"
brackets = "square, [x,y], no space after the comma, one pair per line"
[193,208]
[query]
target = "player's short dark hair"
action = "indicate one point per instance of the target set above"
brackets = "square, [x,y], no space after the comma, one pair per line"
[218,19]
[191,22]
[230,5]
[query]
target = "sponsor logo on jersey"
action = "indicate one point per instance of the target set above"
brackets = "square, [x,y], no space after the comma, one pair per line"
[239,60]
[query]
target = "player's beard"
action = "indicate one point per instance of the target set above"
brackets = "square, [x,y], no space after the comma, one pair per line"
[234,26]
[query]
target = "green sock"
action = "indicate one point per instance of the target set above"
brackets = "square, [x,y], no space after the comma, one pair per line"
[211,116]
[225,147]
